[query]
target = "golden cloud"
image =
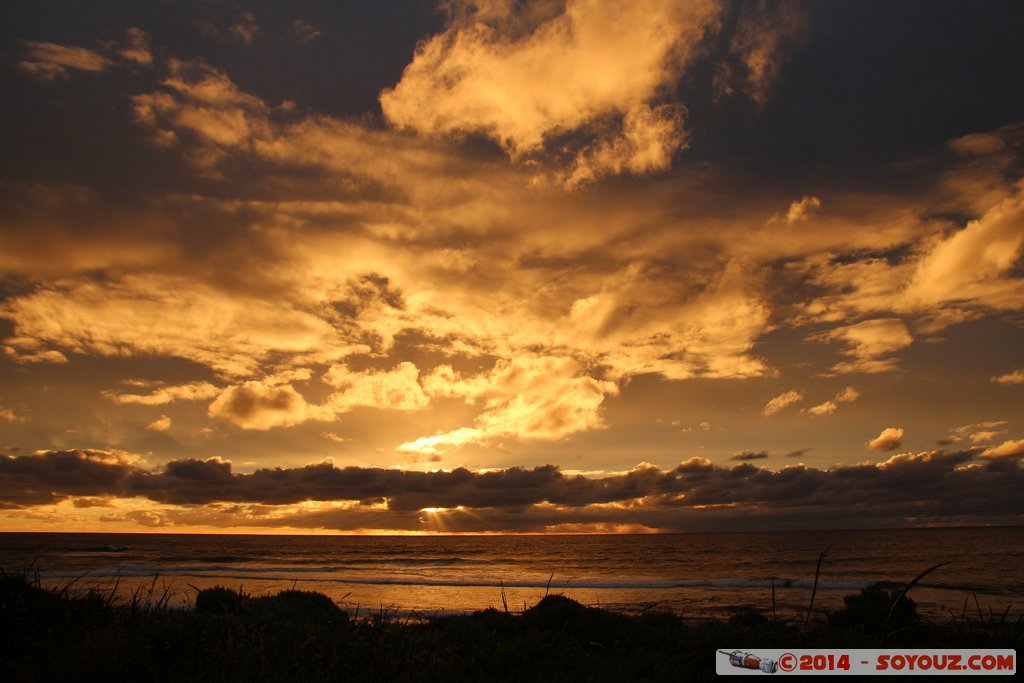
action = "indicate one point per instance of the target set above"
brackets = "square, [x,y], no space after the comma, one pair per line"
[530,397]
[1014,377]
[781,402]
[161,424]
[890,438]
[847,395]
[867,342]
[972,264]
[406,243]
[826,408]
[1007,449]
[397,389]
[193,391]
[166,316]
[526,75]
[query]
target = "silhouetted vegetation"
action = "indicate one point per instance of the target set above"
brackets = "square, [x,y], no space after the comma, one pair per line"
[48,635]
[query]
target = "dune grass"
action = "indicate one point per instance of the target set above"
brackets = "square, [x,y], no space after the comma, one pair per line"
[51,635]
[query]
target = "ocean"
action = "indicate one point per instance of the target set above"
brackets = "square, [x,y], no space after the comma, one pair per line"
[706,575]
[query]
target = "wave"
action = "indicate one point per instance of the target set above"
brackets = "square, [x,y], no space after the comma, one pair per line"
[410,561]
[362,573]
[343,574]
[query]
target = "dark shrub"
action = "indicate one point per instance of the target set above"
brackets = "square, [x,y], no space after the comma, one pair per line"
[219,600]
[867,611]
[299,606]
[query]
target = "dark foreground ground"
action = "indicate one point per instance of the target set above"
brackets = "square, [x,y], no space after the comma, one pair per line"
[48,635]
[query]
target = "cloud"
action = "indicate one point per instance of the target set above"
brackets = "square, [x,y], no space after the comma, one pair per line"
[146,518]
[403,245]
[639,323]
[287,376]
[52,231]
[890,439]
[504,69]
[205,106]
[978,144]
[976,433]
[137,47]
[331,436]
[8,415]
[254,405]
[162,424]
[443,442]
[649,137]
[981,437]
[764,33]
[826,408]
[691,495]
[638,334]
[747,456]
[529,397]
[974,263]
[781,402]
[200,111]
[798,211]
[50,476]
[303,31]
[1007,449]
[544,397]
[50,60]
[1015,377]
[163,315]
[274,402]
[866,343]
[246,29]
[922,266]
[92,502]
[193,391]
[24,350]
[847,395]
[396,389]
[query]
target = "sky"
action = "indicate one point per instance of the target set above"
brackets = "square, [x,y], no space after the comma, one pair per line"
[564,266]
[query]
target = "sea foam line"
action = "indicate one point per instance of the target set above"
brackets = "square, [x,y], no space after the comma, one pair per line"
[287,574]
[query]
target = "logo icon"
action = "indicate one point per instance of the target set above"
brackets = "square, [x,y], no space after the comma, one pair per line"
[744,660]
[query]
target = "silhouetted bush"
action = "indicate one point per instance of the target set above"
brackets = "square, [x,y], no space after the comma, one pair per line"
[219,600]
[869,612]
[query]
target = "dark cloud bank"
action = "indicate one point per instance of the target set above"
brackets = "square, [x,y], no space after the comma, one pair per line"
[926,488]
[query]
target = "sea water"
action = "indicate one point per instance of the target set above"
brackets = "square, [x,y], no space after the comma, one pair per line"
[707,575]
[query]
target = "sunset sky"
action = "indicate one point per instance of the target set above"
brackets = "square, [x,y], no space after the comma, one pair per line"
[554,266]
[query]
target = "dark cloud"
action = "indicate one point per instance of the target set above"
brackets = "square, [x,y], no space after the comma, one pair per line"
[750,455]
[905,487]
[254,405]
[55,475]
